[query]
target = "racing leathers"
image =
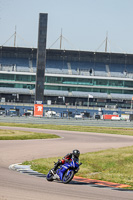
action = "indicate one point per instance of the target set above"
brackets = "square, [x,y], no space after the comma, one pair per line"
[67,158]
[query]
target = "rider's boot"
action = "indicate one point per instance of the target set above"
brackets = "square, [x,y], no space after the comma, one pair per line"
[53,171]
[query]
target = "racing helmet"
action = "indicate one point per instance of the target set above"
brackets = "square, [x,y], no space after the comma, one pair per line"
[76,153]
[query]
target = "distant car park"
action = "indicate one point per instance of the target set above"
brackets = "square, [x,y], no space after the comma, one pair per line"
[27,114]
[97,116]
[78,116]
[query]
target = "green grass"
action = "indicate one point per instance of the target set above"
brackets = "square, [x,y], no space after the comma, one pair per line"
[23,135]
[110,130]
[114,165]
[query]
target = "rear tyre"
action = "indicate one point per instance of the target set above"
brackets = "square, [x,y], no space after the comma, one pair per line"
[68,176]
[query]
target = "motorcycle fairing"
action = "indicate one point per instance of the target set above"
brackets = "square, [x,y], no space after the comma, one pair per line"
[62,170]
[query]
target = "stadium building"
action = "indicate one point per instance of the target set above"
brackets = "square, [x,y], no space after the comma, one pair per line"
[80,78]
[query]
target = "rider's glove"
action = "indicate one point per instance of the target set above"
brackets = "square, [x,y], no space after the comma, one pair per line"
[59,161]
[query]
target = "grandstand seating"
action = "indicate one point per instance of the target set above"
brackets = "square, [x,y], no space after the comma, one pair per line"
[66,93]
[117,70]
[121,96]
[56,93]
[14,90]
[86,94]
[15,61]
[23,69]
[129,69]
[70,68]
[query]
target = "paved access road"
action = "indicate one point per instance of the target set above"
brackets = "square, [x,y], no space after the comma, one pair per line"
[18,186]
[67,121]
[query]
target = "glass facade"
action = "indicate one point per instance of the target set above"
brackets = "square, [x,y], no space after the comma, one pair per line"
[74,83]
[91,82]
[68,83]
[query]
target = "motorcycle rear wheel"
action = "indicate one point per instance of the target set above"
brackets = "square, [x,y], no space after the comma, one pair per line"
[68,177]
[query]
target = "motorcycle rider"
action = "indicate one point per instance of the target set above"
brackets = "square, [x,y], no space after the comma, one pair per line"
[75,155]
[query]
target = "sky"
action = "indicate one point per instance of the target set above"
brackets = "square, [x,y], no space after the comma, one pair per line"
[84,24]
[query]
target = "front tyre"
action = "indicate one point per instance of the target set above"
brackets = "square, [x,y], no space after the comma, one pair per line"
[68,176]
[49,176]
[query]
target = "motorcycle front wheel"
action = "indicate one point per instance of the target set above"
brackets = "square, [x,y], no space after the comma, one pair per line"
[68,176]
[49,176]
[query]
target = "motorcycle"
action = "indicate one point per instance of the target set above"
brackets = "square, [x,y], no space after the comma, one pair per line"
[65,172]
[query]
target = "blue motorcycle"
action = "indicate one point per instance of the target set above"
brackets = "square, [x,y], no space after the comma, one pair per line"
[65,172]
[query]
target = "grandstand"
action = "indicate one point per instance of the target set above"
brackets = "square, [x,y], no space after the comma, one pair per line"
[71,77]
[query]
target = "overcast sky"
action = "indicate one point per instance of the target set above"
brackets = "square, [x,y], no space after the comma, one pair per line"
[84,23]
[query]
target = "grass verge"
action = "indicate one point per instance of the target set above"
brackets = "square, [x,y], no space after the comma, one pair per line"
[110,130]
[23,135]
[114,165]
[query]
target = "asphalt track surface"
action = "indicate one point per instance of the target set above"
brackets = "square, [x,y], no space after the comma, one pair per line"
[19,186]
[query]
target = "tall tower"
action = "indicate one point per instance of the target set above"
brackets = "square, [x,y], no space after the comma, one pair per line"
[41,62]
[41,57]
